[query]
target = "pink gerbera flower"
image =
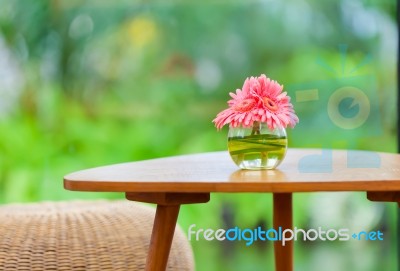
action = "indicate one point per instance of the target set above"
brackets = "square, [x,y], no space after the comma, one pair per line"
[260,100]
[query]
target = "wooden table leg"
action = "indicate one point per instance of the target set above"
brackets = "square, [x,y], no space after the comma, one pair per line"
[283,218]
[384,196]
[161,237]
[168,205]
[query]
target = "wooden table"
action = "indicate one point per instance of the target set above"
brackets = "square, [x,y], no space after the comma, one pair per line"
[172,181]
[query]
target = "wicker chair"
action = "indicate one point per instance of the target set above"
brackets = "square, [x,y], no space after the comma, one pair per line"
[98,235]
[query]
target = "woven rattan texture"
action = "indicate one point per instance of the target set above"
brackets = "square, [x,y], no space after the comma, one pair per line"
[74,236]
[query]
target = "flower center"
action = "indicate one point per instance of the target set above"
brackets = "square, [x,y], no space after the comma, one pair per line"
[270,104]
[244,105]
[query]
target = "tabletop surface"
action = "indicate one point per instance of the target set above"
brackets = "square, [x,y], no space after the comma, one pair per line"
[302,170]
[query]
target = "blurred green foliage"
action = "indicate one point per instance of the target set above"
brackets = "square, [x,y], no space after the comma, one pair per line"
[85,84]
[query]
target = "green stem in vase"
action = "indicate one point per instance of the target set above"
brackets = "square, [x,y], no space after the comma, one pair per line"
[260,144]
[264,157]
[256,128]
[256,131]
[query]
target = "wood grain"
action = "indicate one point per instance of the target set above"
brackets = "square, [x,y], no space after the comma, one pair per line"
[168,198]
[172,181]
[390,196]
[215,172]
[161,237]
[283,218]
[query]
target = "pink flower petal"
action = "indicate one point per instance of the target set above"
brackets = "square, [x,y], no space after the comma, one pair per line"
[260,99]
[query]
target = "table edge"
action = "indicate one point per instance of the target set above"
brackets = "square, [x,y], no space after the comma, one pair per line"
[230,187]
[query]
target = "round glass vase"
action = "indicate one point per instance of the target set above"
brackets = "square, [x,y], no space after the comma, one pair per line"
[257,147]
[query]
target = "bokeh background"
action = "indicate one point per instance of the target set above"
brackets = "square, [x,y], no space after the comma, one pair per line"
[90,83]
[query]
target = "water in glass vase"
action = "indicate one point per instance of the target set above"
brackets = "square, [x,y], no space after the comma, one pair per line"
[260,151]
